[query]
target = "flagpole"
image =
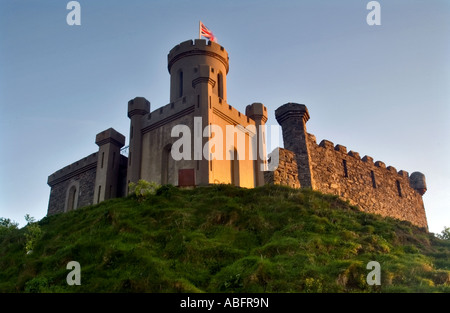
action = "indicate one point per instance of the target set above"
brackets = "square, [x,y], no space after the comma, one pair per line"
[199,29]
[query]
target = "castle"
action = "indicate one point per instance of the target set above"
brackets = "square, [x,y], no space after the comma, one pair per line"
[198,107]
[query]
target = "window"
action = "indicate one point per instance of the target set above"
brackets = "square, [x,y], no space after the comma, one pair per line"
[72,193]
[220,85]
[71,204]
[344,164]
[180,82]
[399,189]
[374,183]
[99,192]
[103,158]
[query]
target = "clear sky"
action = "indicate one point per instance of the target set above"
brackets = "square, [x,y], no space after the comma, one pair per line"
[382,91]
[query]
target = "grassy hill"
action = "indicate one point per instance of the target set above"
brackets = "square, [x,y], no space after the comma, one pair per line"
[225,239]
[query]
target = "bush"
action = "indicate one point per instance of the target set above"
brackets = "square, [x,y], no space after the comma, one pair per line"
[143,188]
[7,226]
[33,233]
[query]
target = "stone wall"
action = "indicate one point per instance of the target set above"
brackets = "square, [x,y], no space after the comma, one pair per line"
[373,187]
[285,172]
[80,174]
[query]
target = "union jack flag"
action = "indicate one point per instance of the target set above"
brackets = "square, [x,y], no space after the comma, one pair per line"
[205,32]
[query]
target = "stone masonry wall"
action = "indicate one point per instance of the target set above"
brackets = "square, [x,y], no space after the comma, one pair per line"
[58,194]
[82,175]
[286,173]
[373,187]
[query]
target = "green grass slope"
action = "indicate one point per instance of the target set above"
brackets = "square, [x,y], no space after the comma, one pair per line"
[225,239]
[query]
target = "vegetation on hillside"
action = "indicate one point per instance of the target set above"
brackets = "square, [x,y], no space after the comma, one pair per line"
[223,239]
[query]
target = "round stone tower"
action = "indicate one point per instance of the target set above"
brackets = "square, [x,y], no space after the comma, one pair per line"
[194,62]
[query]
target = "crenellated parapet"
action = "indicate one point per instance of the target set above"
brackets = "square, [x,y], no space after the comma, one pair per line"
[74,169]
[329,168]
[367,163]
[257,112]
[199,47]
[73,185]
[231,115]
[169,112]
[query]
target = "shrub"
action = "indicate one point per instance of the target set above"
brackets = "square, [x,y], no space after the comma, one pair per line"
[7,226]
[143,188]
[32,234]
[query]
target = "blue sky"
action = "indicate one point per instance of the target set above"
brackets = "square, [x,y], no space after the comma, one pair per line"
[382,91]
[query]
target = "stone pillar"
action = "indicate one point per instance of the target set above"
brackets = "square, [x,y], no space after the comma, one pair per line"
[258,113]
[106,180]
[293,117]
[137,108]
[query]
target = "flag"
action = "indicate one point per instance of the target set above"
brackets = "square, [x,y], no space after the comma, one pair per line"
[205,32]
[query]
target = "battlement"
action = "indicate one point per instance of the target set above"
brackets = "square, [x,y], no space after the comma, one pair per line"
[73,169]
[138,106]
[169,112]
[198,47]
[231,114]
[186,105]
[256,111]
[373,186]
[368,160]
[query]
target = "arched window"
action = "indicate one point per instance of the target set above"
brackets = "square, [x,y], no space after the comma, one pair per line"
[72,199]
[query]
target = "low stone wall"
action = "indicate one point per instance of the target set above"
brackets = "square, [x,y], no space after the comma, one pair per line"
[286,172]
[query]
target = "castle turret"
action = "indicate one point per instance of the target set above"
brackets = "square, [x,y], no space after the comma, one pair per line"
[418,182]
[106,181]
[258,113]
[198,75]
[293,117]
[137,108]
[187,59]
